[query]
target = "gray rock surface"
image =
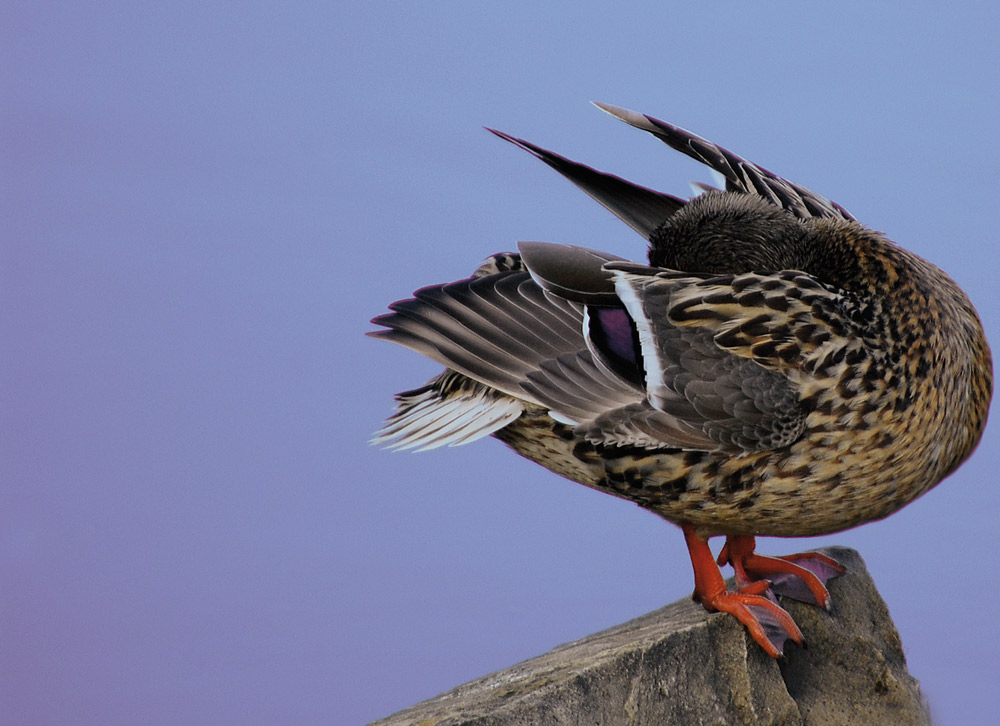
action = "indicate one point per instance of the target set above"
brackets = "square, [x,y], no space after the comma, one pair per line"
[681,665]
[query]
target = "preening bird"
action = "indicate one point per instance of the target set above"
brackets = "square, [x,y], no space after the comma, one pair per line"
[775,369]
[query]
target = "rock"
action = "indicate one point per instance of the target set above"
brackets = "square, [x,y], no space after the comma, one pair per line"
[681,665]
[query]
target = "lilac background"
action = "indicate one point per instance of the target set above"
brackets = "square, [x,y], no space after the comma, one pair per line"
[203,205]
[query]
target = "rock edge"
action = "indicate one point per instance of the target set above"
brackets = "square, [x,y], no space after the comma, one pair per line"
[682,665]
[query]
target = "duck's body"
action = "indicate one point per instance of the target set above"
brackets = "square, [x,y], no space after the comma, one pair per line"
[777,368]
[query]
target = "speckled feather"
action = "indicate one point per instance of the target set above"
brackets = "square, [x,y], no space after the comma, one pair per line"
[776,369]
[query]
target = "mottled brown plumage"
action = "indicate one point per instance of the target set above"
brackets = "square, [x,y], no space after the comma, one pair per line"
[776,369]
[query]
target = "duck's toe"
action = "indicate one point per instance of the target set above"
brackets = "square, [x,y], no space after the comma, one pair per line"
[766,621]
[802,576]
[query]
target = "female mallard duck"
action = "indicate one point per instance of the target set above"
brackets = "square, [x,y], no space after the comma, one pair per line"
[777,369]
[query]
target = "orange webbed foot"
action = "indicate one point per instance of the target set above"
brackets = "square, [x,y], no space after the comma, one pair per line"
[801,576]
[767,622]
[753,605]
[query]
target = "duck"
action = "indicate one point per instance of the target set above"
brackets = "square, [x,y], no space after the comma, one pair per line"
[774,368]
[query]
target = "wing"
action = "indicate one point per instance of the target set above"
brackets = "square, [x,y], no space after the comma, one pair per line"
[630,355]
[669,361]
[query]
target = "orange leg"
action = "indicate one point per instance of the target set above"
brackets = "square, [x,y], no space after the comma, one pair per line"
[801,576]
[769,625]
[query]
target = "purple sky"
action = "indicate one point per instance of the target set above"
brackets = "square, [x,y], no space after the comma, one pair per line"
[201,210]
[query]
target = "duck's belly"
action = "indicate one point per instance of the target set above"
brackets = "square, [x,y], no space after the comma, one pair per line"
[818,486]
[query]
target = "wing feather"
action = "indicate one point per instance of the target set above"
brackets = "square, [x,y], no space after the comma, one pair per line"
[450,409]
[640,208]
[740,175]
